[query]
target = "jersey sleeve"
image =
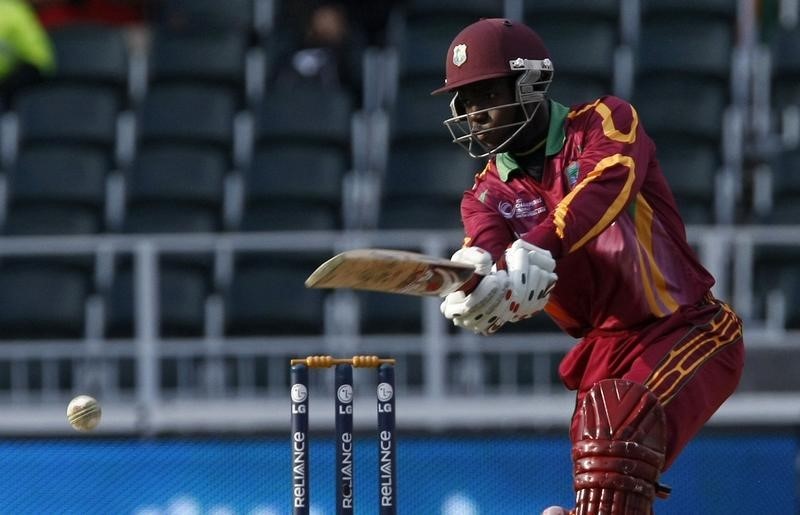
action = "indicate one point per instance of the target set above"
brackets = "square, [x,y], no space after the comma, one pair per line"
[613,162]
[483,226]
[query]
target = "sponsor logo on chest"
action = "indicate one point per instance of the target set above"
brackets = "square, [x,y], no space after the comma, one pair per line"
[521,208]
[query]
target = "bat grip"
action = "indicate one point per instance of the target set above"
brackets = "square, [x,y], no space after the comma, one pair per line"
[471,284]
[473,281]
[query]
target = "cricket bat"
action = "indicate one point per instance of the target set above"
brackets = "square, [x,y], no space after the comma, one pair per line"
[394,271]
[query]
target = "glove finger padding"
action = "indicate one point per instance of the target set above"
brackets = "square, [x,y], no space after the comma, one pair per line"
[530,270]
[536,255]
[479,258]
[522,283]
[485,309]
[502,295]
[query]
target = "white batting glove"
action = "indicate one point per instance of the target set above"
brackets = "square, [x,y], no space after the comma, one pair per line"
[502,296]
[475,256]
[483,310]
[530,271]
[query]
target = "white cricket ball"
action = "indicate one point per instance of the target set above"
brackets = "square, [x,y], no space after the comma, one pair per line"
[83,413]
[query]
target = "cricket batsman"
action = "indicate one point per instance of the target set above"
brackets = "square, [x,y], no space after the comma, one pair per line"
[572,216]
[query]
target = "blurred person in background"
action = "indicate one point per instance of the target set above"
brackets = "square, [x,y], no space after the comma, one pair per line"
[323,50]
[573,216]
[26,54]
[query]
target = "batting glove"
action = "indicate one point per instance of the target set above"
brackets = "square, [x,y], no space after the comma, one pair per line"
[530,271]
[483,310]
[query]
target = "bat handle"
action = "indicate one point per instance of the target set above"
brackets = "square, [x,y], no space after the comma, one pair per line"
[471,284]
[473,281]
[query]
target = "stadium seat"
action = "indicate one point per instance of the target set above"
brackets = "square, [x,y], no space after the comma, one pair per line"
[200,115]
[690,168]
[583,57]
[175,189]
[418,116]
[183,289]
[423,49]
[696,116]
[785,50]
[573,91]
[424,185]
[42,299]
[775,270]
[710,9]
[294,187]
[53,113]
[421,32]
[305,115]
[267,296]
[771,370]
[566,9]
[583,38]
[683,51]
[784,169]
[383,313]
[91,54]
[57,190]
[791,285]
[208,15]
[217,58]
[468,9]
[302,148]
[671,46]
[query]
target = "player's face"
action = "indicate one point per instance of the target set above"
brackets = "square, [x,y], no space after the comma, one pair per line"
[491,115]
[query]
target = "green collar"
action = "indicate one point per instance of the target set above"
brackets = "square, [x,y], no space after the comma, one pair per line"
[555,141]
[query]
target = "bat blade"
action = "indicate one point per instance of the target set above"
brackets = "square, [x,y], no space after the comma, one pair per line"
[393,271]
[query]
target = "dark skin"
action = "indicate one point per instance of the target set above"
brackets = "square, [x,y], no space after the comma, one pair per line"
[496,92]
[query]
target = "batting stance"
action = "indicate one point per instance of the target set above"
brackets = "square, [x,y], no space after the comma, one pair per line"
[572,215]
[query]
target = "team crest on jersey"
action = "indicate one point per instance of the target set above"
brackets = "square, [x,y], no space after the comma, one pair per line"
[459,54]
[572,171]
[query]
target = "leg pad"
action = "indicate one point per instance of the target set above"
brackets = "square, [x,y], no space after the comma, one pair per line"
[618,449]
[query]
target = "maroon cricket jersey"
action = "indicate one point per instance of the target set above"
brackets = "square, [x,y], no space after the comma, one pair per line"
[603,209]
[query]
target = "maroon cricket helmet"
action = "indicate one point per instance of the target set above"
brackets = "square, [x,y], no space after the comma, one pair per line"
[486,49]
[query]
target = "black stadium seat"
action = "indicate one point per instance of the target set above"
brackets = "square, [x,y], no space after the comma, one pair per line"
[785,49]
[583,58]
[419,116]
[267,297]
[215,58]
[57,190]
[305,115]
[690,168]
[383,313]
[199,115]
[175,189]
[183,289]
[294,187]
[208,15]
[91,54]
[42,299]
[53,113]
[424,185]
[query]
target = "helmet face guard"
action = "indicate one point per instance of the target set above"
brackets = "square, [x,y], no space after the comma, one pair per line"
[530,91]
